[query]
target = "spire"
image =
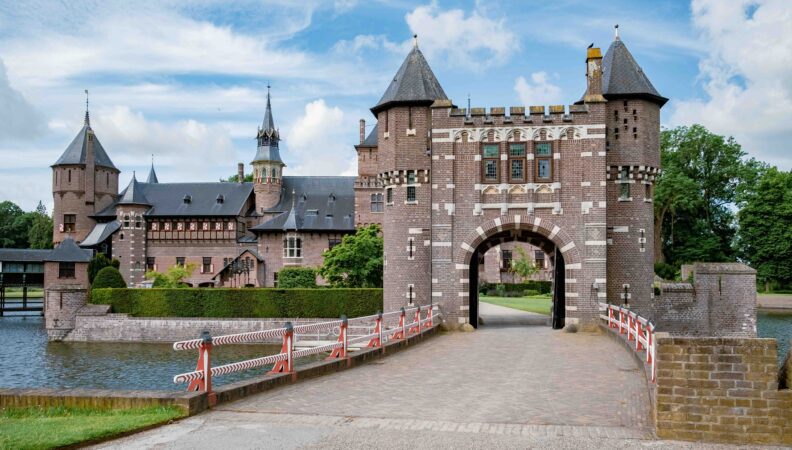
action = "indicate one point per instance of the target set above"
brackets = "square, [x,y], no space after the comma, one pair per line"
[622,77]
[268,136]
[616,31]
[269,123]
[152,176]
[133,194]
[87,116]
[414,83]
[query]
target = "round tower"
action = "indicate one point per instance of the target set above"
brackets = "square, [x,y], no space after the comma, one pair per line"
[633,159]
[267,165]
[404,122]
[129,243]
[84,181]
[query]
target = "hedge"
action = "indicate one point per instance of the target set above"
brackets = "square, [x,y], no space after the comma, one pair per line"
[297,277]
[241,303]
[108,277]
[543,287]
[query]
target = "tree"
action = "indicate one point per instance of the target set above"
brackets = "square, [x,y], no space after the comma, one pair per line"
[765,233]
[40,231]
[703,177]
[108,277]
[523,266]
[235,178]
[99,262]
[357,261]
[173,277]
[13,233]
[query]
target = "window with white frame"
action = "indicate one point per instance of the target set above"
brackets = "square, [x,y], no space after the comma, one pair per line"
[292,246]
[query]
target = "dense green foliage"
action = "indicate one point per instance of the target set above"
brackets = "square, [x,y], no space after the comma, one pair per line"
[765,237]
[515,289]
[523,266]
[703,177]
[37,428]
[250,302]
[665,271]
[19,229]
[356,262]
[297,277]
[235,178]
[99,262]
[108,277]
[173,278]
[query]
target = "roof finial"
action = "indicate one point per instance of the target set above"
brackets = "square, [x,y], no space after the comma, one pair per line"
[616,28]
[133,175]
[87,116]
[293,197]
[468,108]
[415,41]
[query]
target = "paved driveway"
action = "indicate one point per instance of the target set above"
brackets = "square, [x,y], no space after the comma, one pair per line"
[496,387]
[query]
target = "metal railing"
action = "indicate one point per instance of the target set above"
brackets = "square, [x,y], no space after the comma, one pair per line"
[201,378]
[636,328]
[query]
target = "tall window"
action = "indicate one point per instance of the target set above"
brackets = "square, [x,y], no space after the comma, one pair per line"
[206,265]
[376,203]
[151,263]
[539,259]
[410,177]
[126,221]
[180,261]
[138,222]
[506,257]
[544,161]
[648,192]
[517,162]
[411,193]
[66,270]
[389,195]
[292,246]
[69,223]
[490,156]
[624,192]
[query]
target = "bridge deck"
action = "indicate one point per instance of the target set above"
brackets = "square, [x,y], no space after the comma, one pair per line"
[526,382]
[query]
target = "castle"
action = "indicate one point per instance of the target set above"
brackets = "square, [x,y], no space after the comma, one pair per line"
[446,184]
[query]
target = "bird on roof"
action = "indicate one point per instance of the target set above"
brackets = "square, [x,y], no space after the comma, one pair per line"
[591,45]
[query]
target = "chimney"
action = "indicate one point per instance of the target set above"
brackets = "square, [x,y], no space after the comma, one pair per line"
[241,172]
[593,76]
[362,130]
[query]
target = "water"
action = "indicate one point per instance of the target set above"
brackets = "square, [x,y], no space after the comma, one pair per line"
[776,325]
[27,359]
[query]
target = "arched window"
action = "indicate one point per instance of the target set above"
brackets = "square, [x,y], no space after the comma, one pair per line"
[274,172]
[376,203]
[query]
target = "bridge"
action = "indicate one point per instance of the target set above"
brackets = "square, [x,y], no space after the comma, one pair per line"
[504,384]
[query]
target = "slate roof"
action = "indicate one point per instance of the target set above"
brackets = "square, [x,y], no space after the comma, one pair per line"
[313,204]
[133,194]
[100,233]
[371,139]
[622,77]
[152,176]
[268,153]
[268,137]
[168,199]
[414,83]
[231,261]
[68,251]
[76,152]
[23,254]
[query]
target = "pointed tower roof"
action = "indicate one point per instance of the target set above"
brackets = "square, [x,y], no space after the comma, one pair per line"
[133,194]
[68,251]
[414,83]
[268,124]
[152,176]
[76,151]
[268,137]
[622,77]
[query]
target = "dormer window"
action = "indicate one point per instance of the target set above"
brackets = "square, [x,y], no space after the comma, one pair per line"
[187,199]
[220,198]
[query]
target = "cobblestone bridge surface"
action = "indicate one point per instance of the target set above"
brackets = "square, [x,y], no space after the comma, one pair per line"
[500,387]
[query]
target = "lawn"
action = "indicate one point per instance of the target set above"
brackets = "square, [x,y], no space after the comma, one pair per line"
[17,293]
[39,428]
[534,303]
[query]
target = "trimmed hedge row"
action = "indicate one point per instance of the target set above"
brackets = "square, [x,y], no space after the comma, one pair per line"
[241,303]
[543,287]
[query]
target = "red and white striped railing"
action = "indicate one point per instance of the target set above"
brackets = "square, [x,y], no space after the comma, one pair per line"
[201,378]
[636,328]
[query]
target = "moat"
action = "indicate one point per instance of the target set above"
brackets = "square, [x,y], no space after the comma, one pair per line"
[28,360]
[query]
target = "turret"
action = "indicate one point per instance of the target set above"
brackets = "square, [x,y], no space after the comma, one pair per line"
[84,181]
[267,165]
[129,243]
[633,160]
[404,159]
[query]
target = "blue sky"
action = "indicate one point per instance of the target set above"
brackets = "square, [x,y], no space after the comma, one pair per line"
[186,81]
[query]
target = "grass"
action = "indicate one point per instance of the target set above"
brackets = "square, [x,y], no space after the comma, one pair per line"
[41,428]
[535,303]
[17,292]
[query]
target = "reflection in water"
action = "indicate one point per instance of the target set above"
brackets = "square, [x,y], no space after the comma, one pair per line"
[776,325]
[28,360]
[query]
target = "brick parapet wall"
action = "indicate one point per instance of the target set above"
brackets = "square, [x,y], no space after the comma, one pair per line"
[721,390]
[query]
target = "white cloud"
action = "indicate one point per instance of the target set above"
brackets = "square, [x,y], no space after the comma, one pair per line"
[321,141]
[18,118]
[746,74]
[370,42]
[468,41]
[538,91]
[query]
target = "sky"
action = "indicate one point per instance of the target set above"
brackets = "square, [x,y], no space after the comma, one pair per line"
[186,81]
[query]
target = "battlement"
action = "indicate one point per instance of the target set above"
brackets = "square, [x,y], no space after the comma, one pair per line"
[535,114]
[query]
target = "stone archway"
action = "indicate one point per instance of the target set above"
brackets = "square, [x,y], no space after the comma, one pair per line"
[543,232]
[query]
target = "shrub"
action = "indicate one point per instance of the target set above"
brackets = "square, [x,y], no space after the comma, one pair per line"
[108,277]
[531,292]
[541,287]
[297,277]
[665,271]
[241,303]
[99,262]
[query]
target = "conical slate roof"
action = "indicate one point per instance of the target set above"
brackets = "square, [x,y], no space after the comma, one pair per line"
[268,137]
[622,77]
[76,151]
[68,251]
[133,194]
[414,83]
[269,123]
[152,176]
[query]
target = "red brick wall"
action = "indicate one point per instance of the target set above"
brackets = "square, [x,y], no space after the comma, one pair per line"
[270,247]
